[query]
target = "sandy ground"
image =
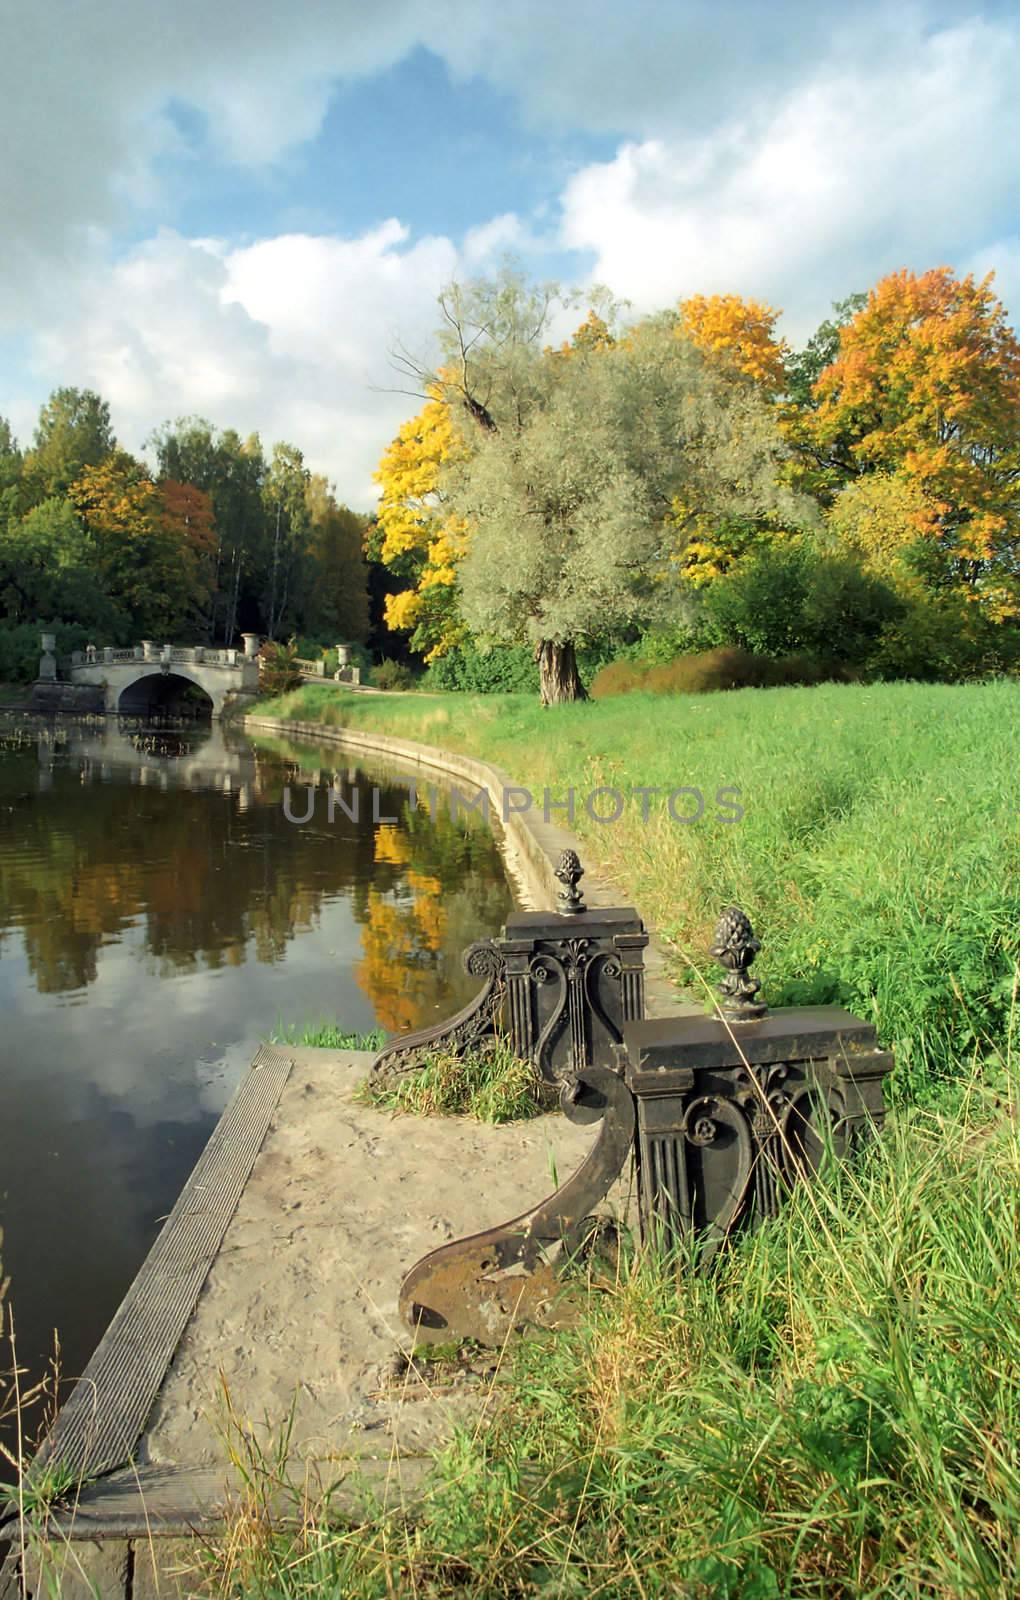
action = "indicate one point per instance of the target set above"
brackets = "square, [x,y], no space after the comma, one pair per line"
[300,1305]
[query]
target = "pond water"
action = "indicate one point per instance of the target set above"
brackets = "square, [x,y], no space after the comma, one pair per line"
[160,916]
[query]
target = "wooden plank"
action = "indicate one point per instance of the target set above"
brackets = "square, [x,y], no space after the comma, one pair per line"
[169,1502]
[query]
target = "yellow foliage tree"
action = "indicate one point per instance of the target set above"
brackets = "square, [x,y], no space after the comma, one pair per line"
[881,518]
[738,334]
[416,539]
[738,337]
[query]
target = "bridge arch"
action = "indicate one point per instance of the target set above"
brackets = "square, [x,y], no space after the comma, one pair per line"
[153,690]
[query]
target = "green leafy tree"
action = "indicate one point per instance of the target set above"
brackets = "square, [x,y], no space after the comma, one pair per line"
[336,599]
[74,432]
[286,525]
[48,568]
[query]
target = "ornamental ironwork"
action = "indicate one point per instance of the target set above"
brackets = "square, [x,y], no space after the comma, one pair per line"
[560,986]
[721,1122]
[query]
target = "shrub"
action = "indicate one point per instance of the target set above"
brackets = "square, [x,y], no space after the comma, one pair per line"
[725,667]
[505,669]
[944,638]
[790,599]
[278,668]
[392,675]
[620,677]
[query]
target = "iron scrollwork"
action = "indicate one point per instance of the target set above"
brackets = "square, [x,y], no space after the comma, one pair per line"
[471,1028]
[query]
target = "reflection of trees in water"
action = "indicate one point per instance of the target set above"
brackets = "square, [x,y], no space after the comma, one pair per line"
[212,877]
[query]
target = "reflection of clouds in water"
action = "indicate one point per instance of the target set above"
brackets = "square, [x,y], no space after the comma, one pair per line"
[215,1020]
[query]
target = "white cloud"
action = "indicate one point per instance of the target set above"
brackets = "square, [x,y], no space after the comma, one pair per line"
[288,337]
[778,155]
[848,178]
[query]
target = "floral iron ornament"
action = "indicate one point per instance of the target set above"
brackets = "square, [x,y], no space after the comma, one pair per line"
[735,947]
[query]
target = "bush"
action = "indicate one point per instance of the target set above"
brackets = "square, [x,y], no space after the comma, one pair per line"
[620,677]
[392,675]
[944,638]
[505,669]
[710,670]
[791,599]
[278,668]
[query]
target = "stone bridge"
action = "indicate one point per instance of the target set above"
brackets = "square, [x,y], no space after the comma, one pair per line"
[150,677]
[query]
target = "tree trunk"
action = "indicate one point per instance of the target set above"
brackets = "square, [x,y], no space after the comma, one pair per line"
[558,674]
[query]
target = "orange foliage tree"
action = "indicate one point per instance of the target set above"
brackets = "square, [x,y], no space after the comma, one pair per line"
[927,386]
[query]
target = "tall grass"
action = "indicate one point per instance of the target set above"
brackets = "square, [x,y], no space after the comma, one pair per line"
[878,853]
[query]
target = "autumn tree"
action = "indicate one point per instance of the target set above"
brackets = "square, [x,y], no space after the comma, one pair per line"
[927,385]
[415,535]
[570,484]
[805,367]
[738,338]
[152,551]
[887,521]
[232,471]
[739,335]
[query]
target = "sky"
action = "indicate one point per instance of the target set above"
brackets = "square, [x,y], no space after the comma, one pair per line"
[240,212]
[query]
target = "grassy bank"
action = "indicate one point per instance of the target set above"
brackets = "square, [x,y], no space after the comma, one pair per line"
[833,1414]
[878,853]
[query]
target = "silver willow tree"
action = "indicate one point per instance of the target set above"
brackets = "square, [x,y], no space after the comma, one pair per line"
[582,466]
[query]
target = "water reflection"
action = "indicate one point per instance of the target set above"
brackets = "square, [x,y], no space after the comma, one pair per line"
[158,916]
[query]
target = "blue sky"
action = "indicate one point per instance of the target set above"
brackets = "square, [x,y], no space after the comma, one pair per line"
[238,212]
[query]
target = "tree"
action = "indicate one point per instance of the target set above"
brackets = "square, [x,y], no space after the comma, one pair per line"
[740,335]
[884,519]
[73,433]
[48,569]
[287,521]
[414,536]
[337,602]
[805,367]
[151,553]
[232,472]
[489,338]
[570,484]
[927,384]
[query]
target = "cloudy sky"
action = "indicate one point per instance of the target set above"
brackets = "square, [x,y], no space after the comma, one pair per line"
[237,211]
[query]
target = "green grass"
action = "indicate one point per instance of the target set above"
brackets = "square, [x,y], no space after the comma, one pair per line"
[490,1085]
[834,1412]
[878,854]
[325,1035]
